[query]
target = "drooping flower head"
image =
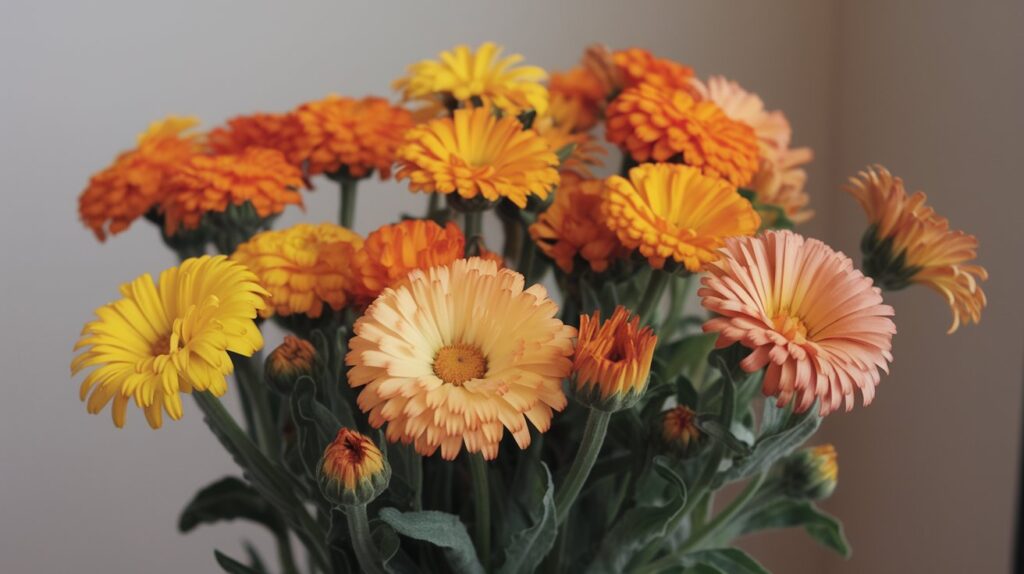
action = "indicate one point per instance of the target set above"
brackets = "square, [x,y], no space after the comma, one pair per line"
[673,212]
[612,365]
[353,136]
[462,75]
[456,354]
[352,469]
[638,66]
[392,251]
[476,154]
[909,243]
[136,182]
[811,473]
[579,92]
[653,123]
[290,360]
[304,267]
[160,340]
[679,430]
[282,132]
[206,184]
[815,322]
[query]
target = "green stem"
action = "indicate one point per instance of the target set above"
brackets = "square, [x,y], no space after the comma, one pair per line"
[416,472]
[348,201]
[593,439]
[367,554]
[248,376]
[433,204]
[528,254]
[679,290]
[481,506]
[284,553]
[655,289]
[473,226]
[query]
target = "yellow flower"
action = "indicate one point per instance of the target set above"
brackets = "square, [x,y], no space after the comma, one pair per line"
[811,473]
[613,360]
[303,267]
[671,211]
[161,340]
[476,154]
[909,243]
[456,354]
[679,429]
[463,74]
[352,469]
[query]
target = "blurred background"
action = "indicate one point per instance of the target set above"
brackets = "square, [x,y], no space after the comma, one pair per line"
[933,90]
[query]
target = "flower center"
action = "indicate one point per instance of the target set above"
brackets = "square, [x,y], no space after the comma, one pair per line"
[790,327]
[162,346]
[455,364]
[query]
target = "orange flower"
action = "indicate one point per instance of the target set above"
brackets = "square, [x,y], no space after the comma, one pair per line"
[291,359]
[679,428]
[392,251]
[582,92]
[136,181]
[585,153]
[600,62]
[357,136]
[282,132]
[209,184]
[352,469]
[638,66]
[613,360]
[780,183]
[657,124]
[573,226]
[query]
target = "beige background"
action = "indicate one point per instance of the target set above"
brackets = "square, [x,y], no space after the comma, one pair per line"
[932,89]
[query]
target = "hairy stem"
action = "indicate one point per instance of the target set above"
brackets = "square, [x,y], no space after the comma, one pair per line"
[593,439]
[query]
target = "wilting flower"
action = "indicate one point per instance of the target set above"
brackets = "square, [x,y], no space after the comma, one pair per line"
[659,124]
[456,354]
[638,66]
[160,340]
[352,136]
[579,92]
[679,429]
[352,470]
[462,75]
[573,226]
[291,359]
[817,323]
[476,154]
[613,360]
[673,212]
[811,473]
[909,243]
[136,182]
[391,252]
[260,177]
[781,184]
[304,267]
[282,132]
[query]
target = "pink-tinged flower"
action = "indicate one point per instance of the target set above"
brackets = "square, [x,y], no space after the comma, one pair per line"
[815,322]
[772,127]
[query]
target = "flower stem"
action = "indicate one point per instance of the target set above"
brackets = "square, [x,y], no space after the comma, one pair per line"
[679,290]
[249,377]
[652,296]
[348,201]
[367,554]
[474,223]
[481,506]
[433,204]
[284,553]
[593,439]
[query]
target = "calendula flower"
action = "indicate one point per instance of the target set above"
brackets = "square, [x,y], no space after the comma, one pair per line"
[352,469]
[577,94]
[136,182]
[456,354]
[652,123]
[205,184]
[771,127]
[599,61]
[352,136]
[391,252]
[811,473]
[613,360]
[673,212]
[679,429]
[573,226]
[463,75]
[292,359]
[160,340]
[282,132]
[909,243]
[638,66]
[304,267]
[781,183]
[815,322]
[476,154]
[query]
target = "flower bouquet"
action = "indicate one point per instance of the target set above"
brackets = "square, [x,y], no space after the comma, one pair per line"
[552,402]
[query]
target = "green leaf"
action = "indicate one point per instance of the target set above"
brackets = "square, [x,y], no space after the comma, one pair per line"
[714,428]
[687,355]
[315,424]
[730,560]
[564,152]
[254,558]
[822,527]
[229,498]
[232,566]
[441,529]
[528,547]
[775,444]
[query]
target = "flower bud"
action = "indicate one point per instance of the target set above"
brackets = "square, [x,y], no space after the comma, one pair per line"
[352,470]
[291,359]
[811,473]
[679,430]
[613,360]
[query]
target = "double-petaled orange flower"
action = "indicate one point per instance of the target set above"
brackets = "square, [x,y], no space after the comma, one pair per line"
[391,252]
[572,226]
[282,132]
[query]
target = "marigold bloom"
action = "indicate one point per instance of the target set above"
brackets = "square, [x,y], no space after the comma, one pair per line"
[811,473]
[463,74]
[282,132]
[476,154]
[352,469]
[638,66]
[781,183]
[580,91]
[160,340]
[671,211]
[392,251]
[658,124]
[304,267]
[599,61]
[136,181]
[572,225]
[613,360]
[817,323]
[585,151]
[772,128]
[292,359]
[458,353]
[909,243]
[679,428]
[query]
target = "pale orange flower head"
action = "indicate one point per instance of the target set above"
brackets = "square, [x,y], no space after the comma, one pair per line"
[612,365]
[475,154]
[456,354]
[391,252]
[679,431]
[579,95]
[908,242]
[771,127]
[304,267]
[282,132]
[780,184]
[814,323]
[290,360]
[137,180]
[352,470]
[653,123]
[672,212]
[811,473]
[638,66]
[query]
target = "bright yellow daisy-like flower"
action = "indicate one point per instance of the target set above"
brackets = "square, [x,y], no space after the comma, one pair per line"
[673,212]
[391,252]
[304,267]
[909,243]
[457,354]
[476,154]
[613,360]
[161,340]
[463,74]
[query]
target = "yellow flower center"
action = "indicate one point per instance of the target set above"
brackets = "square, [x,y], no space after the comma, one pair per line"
[790,327]
[457,363]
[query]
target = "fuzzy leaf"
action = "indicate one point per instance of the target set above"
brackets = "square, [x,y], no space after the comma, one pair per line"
[728,560]
[229,498]
[441,529]
[232,566]
[315,424]
[528,547]
[769,448]
[822,527]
